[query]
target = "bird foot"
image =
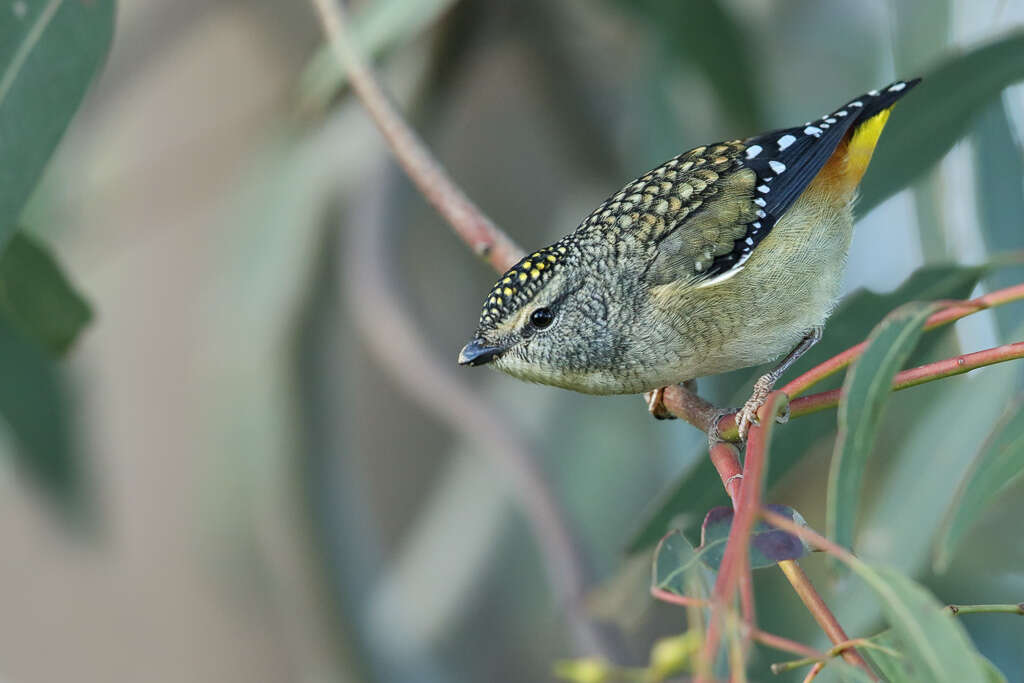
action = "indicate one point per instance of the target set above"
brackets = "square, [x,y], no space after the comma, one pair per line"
[656,404]
[748,414]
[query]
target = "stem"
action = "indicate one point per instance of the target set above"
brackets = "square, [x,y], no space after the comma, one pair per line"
[839,649]
[817,607]
[955,311]
[986,609]
[813,673]
[949,367]
[912,377]
[469,222]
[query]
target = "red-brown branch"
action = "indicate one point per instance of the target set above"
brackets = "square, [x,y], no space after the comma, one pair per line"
[485,238]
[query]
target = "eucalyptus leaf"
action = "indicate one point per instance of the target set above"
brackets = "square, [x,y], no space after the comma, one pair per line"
[935,646]
[34,408]
[928,123]
[49,52]
[998,465]
[677,568]
[999,193]
[769,545]
[699,488]
[706,36]
[37,298]
[865,393]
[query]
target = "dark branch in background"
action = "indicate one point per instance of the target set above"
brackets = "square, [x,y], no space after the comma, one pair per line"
[484,237]
[392,337]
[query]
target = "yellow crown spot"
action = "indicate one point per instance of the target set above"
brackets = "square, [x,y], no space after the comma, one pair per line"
[507,291]
[535,274]
[522,277]
[527,265]
[540,265]
[497,300]
[494,311]
[561,250]
[507,281]
[552,258]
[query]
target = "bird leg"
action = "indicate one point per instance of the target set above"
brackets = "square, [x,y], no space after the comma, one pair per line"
[764,385]
[656,400]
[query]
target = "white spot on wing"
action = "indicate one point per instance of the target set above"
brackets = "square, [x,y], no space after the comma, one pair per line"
[764,189]
[718,279]
[777,166]
[785,141]
[756,224]
[873,93]
[841,112]
[753,151]
[830,120]
[759,201]
[813,130]
[896,87]
[749,241]
[761,214]
[856,103]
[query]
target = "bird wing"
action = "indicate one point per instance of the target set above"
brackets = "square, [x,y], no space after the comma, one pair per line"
[709,208]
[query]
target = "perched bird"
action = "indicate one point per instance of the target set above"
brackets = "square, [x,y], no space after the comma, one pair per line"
[724,257]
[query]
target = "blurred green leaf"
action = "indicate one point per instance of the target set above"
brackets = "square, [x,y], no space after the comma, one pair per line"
[699,488]
[37,298]
[677,568]
[866,391]
[379,26]
[998,465]
[49,52]
[33,406]
[895,667]
[935,645]
[706,35]
[768,545]
[999,167]
[932,118]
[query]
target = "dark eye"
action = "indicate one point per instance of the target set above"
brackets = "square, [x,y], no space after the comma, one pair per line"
[541,318]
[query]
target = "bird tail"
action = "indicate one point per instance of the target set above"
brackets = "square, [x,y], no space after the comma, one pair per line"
[863,135]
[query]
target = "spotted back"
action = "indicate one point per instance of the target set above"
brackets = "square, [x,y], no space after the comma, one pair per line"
[786,161]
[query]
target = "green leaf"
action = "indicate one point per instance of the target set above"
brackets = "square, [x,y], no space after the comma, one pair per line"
[677,568]
[935,645]
[699,488]
[36,298]
[49,52]
[866,390]
[890,661]
[768,545]
[999,166]
[34,408]
[706,35]
[998,465]
[931,119]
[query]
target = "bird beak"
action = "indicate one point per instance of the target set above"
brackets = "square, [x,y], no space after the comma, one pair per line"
[478,352]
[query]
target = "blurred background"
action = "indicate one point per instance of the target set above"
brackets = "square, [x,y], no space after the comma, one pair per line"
[288,476]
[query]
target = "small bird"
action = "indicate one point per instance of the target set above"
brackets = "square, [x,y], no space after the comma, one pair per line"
[727,256]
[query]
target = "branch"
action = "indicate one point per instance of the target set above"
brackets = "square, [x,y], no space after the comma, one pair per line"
[726,461]
[478,231]
[986,609]
[954,312]
[912,377]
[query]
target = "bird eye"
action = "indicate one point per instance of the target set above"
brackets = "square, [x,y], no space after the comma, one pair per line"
[541,318]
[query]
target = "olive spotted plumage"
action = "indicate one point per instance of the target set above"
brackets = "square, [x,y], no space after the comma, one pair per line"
[723,257]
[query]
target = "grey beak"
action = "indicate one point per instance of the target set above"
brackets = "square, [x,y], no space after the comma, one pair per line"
[477,352]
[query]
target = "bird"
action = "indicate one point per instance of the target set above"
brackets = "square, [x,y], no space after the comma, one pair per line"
[727,256]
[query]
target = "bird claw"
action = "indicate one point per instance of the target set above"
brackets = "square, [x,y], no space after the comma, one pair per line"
[748,414]
[656,404]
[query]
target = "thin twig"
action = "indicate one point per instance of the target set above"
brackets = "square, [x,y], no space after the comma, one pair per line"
[813,673]
[986,609]
[953,312]
[912,377]
[476,229]
[949,367]
[820,611]
[403,352]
